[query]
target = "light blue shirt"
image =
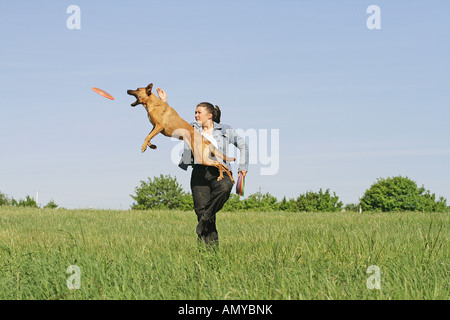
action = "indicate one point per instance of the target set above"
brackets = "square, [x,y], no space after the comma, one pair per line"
[224,136]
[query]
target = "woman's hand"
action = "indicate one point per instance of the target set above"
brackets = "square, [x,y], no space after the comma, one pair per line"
[161,94]
[243,173]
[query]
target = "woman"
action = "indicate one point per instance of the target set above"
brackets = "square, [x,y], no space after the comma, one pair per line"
[209,194]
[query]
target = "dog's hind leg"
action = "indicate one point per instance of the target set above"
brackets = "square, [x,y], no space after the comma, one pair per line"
[224,168]
[220,166]
[206,160]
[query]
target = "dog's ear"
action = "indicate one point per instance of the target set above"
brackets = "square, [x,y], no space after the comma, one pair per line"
[149,89]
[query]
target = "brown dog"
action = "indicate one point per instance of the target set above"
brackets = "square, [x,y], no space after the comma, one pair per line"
[167,121]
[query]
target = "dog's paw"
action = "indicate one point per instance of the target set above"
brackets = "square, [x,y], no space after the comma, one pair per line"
[143,148]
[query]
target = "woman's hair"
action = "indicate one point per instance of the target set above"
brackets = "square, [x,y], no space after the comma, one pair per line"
[215,111]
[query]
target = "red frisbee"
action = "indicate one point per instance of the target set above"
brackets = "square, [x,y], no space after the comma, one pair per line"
[103,93]
[240,185]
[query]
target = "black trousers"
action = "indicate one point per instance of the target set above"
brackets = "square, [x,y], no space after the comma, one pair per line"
[209,197]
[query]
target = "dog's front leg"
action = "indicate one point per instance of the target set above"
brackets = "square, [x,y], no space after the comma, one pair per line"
[156,129]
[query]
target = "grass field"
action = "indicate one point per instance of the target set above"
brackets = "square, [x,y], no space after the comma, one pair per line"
[155,255]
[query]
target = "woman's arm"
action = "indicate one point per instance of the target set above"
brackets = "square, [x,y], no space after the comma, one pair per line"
[240,143]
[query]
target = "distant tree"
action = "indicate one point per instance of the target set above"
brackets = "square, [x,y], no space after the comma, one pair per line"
[352,207]
[400,194]
[288,205]
[187,202]
[163,192]
[51,205]
[429,203]
[27,202]
[261,202]
[319,202]
[4,200]
[234,203]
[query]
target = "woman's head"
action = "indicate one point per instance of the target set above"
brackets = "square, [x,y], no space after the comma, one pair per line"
[205,111]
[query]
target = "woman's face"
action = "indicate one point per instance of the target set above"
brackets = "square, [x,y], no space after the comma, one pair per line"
[202,115]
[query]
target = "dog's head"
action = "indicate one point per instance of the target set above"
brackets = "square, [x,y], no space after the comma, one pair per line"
[141,94]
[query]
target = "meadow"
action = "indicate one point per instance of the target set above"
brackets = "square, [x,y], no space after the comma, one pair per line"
[155,255]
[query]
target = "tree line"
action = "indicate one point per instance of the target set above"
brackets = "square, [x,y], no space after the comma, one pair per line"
[391,194]
[385,195]
[28,201]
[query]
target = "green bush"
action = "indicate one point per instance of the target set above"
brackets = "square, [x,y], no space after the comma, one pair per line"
[234,203]
[51,205]
[4,200]
[288,205]
[187,203]
[319,202]
[163,192]
[400,194]
[261,202]
[352,207]
[27,202]
[257,202]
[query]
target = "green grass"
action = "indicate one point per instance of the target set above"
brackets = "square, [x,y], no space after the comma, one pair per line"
[155,255]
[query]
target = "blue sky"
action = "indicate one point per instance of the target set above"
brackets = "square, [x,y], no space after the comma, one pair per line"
[350,104]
